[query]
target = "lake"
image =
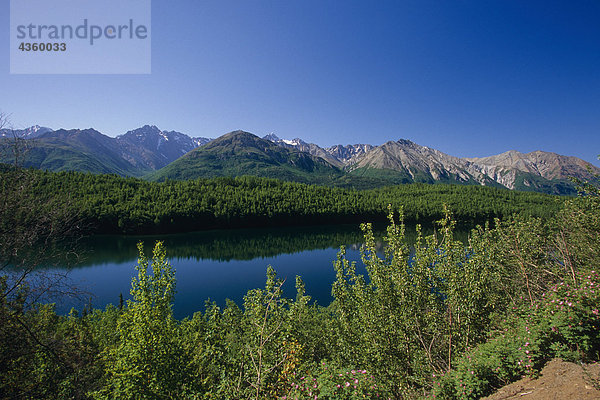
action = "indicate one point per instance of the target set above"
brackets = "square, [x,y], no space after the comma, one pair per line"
[216,265]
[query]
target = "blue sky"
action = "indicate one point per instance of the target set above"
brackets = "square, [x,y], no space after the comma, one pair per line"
[470,78]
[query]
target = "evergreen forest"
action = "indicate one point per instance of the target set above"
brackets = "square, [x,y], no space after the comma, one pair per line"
[114,204]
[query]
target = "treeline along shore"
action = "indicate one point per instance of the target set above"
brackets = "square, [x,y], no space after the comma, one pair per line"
[113,204]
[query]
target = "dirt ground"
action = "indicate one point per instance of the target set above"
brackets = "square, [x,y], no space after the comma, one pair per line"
[558,380]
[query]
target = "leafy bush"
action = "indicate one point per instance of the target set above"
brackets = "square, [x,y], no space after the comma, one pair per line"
[148,361]
[417,312]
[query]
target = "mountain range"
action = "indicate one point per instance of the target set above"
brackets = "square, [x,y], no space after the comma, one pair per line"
[158,155]
[134,153]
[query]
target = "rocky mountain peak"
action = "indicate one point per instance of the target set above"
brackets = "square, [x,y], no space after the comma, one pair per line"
[272,137]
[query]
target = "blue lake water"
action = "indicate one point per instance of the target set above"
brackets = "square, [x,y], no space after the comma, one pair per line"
[216,265]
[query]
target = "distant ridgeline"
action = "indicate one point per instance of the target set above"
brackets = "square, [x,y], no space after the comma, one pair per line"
[114,204]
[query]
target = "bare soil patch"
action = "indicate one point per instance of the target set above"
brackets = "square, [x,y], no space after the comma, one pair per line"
[558,380]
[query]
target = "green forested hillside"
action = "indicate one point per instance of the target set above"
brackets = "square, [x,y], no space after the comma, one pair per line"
[242,153]
[531,183]
[112,204]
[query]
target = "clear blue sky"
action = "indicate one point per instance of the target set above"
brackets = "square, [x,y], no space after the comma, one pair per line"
[470,78]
